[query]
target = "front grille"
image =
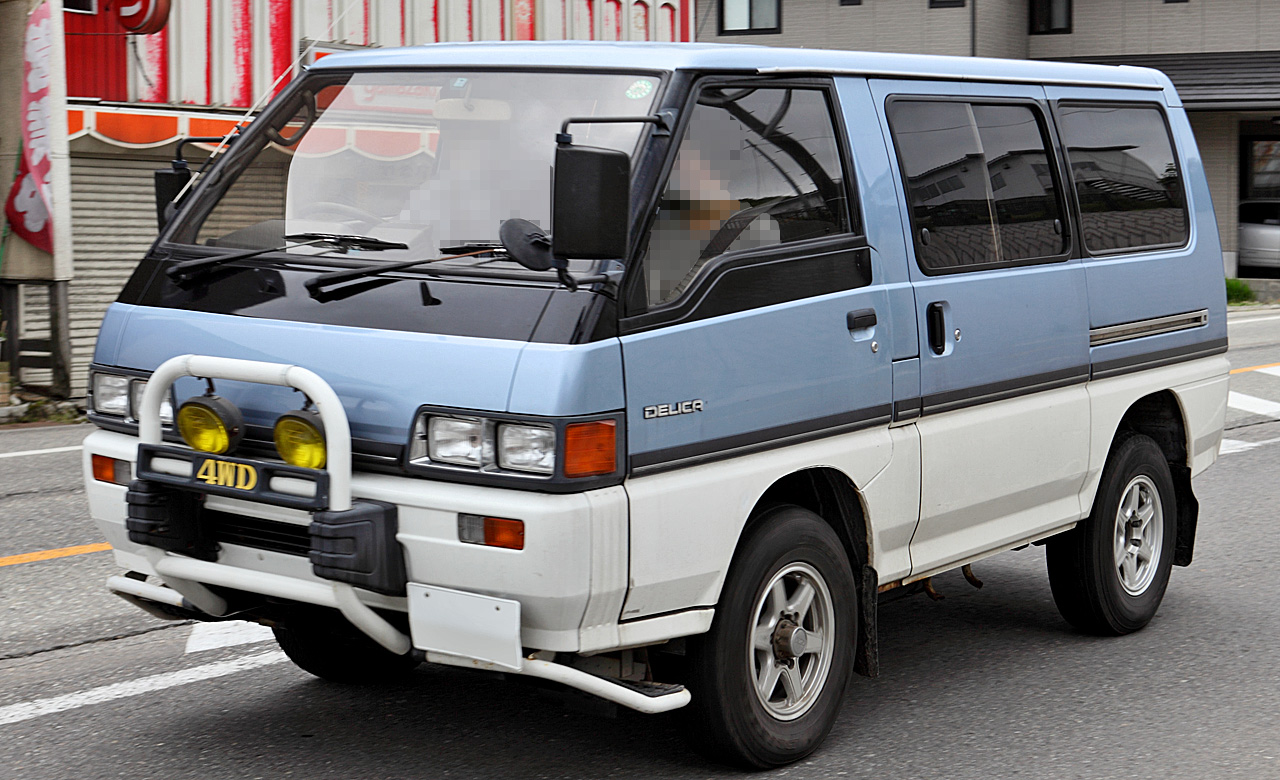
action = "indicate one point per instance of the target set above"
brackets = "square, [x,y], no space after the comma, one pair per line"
[257,533]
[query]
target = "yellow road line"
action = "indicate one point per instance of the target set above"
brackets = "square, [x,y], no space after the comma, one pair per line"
[1254,368]
[46,555]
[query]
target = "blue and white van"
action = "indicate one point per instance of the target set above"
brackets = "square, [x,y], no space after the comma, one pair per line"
[646,369]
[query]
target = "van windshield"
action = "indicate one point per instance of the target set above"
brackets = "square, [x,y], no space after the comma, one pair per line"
[434,160]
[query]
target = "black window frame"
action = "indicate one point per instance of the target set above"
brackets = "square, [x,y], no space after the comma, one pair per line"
[1076,214]
[638,315]
[1049,29]
[1048,133]
[775,30]
[946,3]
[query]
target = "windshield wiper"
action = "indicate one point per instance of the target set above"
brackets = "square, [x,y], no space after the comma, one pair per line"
[317,284]
[188,269]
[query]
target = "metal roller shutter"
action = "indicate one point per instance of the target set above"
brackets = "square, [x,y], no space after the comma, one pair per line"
[113,212]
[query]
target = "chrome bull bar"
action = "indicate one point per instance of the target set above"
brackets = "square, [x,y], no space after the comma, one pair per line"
[185,575]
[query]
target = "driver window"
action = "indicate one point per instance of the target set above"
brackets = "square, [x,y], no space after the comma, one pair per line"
[757,167]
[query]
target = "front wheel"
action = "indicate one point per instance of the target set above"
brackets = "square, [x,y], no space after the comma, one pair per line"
[332,649]
[1109,574]
[767,679]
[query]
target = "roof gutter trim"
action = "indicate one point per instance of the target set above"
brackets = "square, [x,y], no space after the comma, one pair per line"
[924,75]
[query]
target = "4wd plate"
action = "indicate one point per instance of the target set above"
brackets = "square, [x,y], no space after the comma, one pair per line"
[253,480]
[224,473]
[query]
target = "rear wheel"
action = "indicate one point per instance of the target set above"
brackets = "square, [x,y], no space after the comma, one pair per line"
[334,650]
[1110,573]
[767,679]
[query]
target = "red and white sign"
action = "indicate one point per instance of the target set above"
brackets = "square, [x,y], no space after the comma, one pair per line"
[27,207]
[142,17]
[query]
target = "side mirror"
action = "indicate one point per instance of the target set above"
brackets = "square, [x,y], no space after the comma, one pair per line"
[591,203]
[169,182]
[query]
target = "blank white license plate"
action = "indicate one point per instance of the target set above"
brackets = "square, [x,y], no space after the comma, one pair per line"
[465,624]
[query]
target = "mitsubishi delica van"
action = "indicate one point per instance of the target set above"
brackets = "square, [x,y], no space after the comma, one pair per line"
[647,370]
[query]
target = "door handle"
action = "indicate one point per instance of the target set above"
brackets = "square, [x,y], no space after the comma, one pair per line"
[860,319]
[937,327]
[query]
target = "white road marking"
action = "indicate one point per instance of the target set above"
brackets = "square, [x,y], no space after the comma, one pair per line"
[211,636]
[1234,445]
[1231,322]
[1273,371]
[1247,403]
[39,452]
[16,713]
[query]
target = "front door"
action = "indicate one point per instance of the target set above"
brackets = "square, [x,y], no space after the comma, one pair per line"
[761,324]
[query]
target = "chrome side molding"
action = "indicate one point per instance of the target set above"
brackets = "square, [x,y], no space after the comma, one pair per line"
[1154,326]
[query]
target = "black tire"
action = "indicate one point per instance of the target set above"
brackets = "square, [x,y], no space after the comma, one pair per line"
[334,650]
[1087,580]
[727,719]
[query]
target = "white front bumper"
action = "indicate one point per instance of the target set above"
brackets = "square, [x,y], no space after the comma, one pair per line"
[570,579]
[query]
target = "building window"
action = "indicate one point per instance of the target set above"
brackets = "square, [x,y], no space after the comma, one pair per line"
[1050,17]
[850,2]
[750,16]
[946,3]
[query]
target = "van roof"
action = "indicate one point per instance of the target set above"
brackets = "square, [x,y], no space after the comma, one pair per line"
[736,57]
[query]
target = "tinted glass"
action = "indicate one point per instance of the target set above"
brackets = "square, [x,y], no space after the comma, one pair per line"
[429,159]
[757,167]
[1126,177]
[1260,213]
[947,183]
[1027,207]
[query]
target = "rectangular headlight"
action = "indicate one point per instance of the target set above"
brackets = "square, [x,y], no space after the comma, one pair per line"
[457,440]
[111,394]
[135,402]
[527,448]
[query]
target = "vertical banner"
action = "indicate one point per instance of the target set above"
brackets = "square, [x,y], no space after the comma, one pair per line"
[27,207]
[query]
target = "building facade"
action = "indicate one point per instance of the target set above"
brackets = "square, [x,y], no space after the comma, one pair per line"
[1223,56]
[131,96]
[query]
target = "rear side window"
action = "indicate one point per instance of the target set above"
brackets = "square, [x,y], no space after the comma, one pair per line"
[1126,176]
[981,183]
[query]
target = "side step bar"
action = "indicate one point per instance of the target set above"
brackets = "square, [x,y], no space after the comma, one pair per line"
[649,698]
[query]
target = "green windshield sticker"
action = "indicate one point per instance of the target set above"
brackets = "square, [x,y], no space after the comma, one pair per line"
[639,88]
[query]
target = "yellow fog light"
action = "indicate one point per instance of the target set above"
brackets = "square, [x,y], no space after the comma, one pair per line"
[300,439]
[210,423]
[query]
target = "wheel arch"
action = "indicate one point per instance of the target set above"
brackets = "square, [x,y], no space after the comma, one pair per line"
[1161,417]
[832,495]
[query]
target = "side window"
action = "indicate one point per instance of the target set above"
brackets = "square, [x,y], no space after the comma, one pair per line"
[980,181]
[1126,176]
[757,167]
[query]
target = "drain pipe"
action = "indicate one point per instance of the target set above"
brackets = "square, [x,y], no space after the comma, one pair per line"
[973,28]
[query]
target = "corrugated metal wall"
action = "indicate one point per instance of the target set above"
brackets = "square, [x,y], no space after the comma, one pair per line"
[96,56]
[114,212]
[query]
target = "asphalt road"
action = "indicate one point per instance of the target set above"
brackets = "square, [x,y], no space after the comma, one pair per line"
[987,683]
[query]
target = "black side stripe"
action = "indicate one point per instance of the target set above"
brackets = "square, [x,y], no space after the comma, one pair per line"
[656,461]
[999,391]
[1164,357]
[740,444]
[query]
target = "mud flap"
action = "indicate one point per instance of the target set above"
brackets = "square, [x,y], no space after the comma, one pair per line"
[866,661]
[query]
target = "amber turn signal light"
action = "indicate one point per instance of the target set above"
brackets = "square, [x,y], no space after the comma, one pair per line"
[590,448]
[117,472]
[491,531]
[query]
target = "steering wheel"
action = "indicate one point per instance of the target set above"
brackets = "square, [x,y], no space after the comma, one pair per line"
[320,207]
